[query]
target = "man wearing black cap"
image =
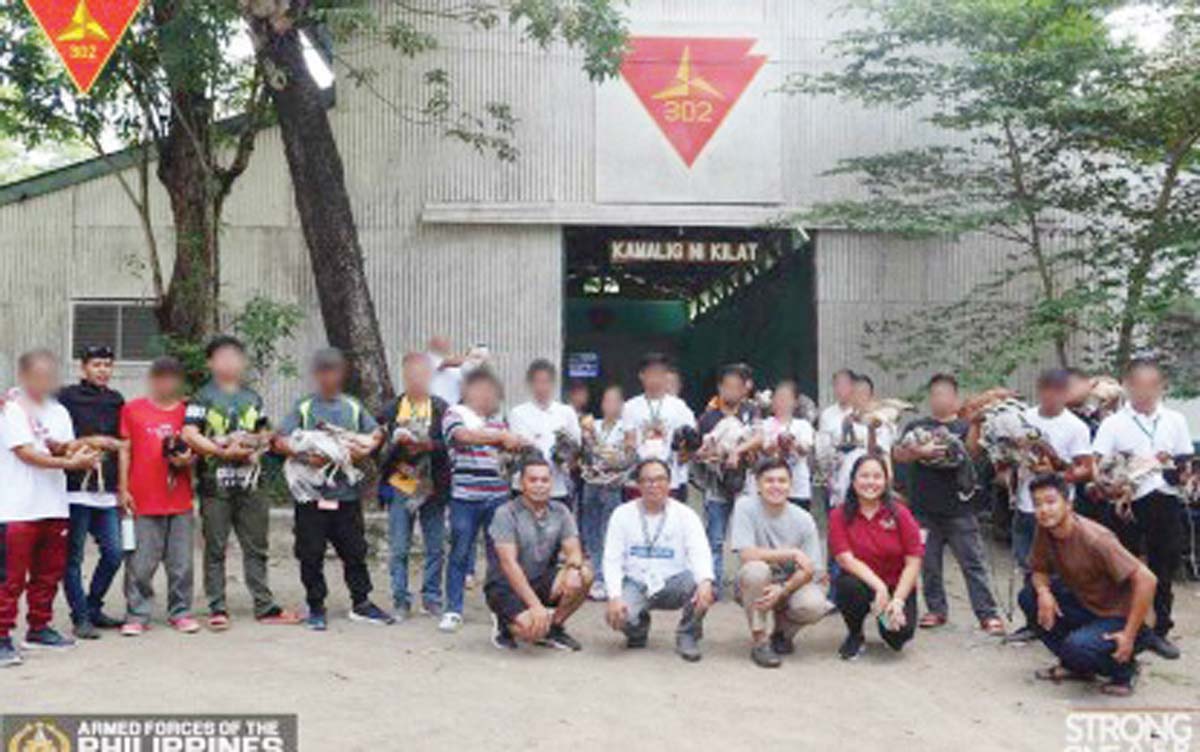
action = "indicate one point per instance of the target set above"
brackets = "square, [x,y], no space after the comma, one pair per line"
[1065,450]
[336,516]
[95,411]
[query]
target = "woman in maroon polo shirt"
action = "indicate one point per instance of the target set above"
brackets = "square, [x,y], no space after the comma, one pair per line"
[877,544]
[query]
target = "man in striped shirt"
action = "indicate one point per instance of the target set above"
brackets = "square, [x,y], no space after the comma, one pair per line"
[475,437]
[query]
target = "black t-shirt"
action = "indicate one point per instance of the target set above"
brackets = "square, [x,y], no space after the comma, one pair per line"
[95,411]
[935,490]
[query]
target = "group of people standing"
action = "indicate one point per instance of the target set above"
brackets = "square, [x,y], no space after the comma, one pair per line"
[574,506]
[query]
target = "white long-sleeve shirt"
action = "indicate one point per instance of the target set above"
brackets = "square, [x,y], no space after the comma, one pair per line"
[633,551]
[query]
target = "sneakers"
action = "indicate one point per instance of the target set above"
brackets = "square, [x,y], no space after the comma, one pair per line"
[782,645]
[1022,636]
[46,638]
[277,616]
[451,622]
[218,621]
[1162,647]
[133,629]
[688,647]
[852,647]
[430,609]
[8,653]
[316,620]
[103,621]
[502,639]
[85,630]
[764,657]
[185,624]
[557,637]
[368,613]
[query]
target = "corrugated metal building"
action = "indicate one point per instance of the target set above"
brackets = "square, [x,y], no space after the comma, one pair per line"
[463,244]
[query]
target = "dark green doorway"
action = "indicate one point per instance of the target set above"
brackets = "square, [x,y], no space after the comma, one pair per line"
[704,295]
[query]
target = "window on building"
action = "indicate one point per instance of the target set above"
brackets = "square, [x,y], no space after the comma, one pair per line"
[129,327]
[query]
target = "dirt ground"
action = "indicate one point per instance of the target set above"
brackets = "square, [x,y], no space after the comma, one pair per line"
[363,687]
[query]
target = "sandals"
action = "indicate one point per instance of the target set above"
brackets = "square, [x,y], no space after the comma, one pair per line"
[931,621]
[1059,674]
[1117,689]
[993,626]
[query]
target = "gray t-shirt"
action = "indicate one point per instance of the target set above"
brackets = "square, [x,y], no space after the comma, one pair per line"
[538,539]
[792,527]
[343,411]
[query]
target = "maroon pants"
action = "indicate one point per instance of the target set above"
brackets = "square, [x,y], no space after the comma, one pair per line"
[33,555]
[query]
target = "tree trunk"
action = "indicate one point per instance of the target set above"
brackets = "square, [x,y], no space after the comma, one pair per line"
[327,219]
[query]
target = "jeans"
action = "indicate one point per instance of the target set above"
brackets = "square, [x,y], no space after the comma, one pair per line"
[1077,638]
[961,533]
[104,526]
[1157,530]
[246,514]
[467,518]
[676,594]
[595,508]
[432,516]
[716,522]
[854,598]
[1023,527]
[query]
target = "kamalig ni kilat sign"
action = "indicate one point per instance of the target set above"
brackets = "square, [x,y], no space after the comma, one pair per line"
[84,32]
[689,85]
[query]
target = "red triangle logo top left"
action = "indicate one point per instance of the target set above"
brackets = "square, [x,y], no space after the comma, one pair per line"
[84,32]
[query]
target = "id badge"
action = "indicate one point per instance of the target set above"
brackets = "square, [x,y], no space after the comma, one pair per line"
[654,583]
[327,505]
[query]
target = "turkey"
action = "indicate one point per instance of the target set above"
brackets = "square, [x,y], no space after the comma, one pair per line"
[602,463]
[1118,476]
[256,443]
[1103,399]
[337,446]
[955,457]
[716,454]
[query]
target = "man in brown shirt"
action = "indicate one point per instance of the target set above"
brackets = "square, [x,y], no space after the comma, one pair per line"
[1092,614]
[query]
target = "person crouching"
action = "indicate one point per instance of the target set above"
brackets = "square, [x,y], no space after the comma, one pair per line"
[530,593]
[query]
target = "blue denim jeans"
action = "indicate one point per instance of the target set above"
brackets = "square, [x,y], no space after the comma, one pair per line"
[1077,639]
[595,508]
[467,518]
[1023,527]
[716,522]
[432,516]
[103,525]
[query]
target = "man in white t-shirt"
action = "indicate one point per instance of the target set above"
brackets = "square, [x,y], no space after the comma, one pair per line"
[37,436]
[541,420]
[830,422]
[656,557]
[447,370]
[1145,429]
[654,420]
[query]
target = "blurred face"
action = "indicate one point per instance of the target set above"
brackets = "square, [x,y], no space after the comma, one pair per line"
[774,486]
[611,404]
[482,397]
[40,379]
[541,386]
[1052,399]
[1145,386]
[98,371]
[227,364]
[654,380]
[329,380]
[439,345]
[1078,388]
[783,402]
[674,383]
[165,387]
[870,480]
[862,394]
[943,399]
[732,389]
[655,483]
[536,483]
[417,375]
[843,387]
[579,398]
[1050,507]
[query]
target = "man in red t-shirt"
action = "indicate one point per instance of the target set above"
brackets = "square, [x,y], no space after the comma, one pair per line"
[157,484]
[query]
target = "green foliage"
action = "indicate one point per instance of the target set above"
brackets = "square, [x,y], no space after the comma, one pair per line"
[1059,138]
[266,326]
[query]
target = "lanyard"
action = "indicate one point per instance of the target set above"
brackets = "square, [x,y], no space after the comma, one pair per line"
[1149,434]
[655,412]
[605,434]
[646,528]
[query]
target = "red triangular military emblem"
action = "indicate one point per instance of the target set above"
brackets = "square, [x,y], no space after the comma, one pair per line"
[689,85]
[84,32]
